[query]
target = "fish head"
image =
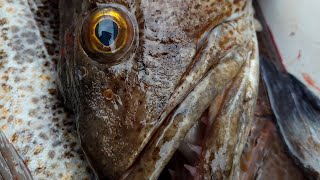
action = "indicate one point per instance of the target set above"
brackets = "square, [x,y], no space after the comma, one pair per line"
[128,67]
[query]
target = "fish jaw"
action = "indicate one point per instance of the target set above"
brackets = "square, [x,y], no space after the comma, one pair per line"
[265,155]
[226,137]
[127,111]
[238,74]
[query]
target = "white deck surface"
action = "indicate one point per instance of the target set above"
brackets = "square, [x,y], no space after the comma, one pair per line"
[295,25]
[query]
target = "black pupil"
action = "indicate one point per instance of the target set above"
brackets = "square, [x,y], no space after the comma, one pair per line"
[107,31]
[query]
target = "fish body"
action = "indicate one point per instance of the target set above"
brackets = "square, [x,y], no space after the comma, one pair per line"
[186,61]
[32,118]
[11,166]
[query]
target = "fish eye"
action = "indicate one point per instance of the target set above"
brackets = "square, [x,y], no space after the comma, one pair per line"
[107,34]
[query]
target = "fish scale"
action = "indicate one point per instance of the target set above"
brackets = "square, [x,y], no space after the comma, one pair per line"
[31,116]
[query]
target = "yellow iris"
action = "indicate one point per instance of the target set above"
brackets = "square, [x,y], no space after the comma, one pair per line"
[119,30]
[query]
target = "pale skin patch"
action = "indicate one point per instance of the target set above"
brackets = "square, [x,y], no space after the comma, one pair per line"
[31,115]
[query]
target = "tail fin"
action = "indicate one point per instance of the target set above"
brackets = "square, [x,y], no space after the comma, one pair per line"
[297,111]
[11,165]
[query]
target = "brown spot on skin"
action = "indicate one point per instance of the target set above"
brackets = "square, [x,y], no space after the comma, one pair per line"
[14,138]
[53,166]
[5,78]
[3,21]
[32,113]
[45,77]
[14,29]
[40,168]
[17,111]
[38,149]
[35,100]
[108,94]
[68,155]
[26,161]
[17,79]
[46,63]
[10,10]
[6,88]
[4,128]
[2,56]
[51,154]
[43,136]
[18,121]
[52,91]
[225,43]
[26,88]
[10,118]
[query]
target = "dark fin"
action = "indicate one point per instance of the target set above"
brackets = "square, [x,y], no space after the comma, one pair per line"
[11,165]
[297,112]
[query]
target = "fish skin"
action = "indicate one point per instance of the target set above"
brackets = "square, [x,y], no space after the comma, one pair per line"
[265,155]
[225,139]
[11,164]
[266,171]
[174,70]
[31,115]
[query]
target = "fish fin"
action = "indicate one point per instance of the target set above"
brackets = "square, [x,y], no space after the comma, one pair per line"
[11,164]
[297,112]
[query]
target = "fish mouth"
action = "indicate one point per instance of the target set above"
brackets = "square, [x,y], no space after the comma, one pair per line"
[186,106]
[215,66]
[201,65]
[198,69]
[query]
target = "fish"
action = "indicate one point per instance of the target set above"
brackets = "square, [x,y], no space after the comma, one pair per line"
[295,108]
[297,116]
[38,139]
[11,164]
[146,77]
[265,155]
[197,153]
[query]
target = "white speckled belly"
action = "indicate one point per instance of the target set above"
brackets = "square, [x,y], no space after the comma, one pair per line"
[31,116]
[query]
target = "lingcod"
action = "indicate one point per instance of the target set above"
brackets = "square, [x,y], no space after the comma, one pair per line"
[142,75]
[159,89]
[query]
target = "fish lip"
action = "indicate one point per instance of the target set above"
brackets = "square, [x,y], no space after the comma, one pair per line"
[165,116]
[172,104]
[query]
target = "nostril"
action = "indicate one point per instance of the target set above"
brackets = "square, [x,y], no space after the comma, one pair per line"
[108,94]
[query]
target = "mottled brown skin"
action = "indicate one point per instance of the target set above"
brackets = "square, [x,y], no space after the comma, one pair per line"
[187,53]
